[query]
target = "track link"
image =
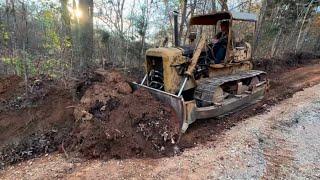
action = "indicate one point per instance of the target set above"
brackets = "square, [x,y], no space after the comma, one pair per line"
[205,91]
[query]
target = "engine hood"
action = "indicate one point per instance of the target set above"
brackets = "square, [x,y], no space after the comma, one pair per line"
[164,52]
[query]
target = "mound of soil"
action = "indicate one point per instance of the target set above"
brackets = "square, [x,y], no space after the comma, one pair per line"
[110,120]
[33,124]
[114,122]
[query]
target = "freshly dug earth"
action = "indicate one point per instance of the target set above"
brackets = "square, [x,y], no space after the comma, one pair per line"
[35,124]
[114,122]
[110,121]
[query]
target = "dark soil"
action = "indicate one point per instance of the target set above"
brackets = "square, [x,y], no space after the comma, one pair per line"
[113,122]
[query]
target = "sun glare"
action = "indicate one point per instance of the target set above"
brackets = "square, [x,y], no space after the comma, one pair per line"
[75,13]
[78,13]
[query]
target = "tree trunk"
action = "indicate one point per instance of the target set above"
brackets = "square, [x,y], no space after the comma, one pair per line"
[193,6]
[259,25]
[86,33]
[8,29]
[303,21]
[317,45]
[249,6]
[214,6]
[168,13]
[275,43]
[65,17]
[183,18]
[25,48]
[67,36]
[145,27]
[224,4]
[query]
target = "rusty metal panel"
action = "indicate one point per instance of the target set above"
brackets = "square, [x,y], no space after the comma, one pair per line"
[227,107]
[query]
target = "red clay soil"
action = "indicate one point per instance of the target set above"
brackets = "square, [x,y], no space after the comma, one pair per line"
[8,86]
[33,125]
[110,121]
[114,122]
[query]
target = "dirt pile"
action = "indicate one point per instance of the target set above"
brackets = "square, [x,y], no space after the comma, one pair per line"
[109,120]
[114,122]
[35,124]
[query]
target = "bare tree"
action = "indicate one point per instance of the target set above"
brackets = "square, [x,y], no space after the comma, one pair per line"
[260,23]
[224,4]
[190,14]
[302,24]
[86,33]
[183,17]
[67,35]
[113,14]
[24,47]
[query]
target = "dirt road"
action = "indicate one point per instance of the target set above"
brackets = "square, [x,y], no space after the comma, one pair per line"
[281,143]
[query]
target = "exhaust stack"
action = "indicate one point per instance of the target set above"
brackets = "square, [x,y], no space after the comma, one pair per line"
[176,31]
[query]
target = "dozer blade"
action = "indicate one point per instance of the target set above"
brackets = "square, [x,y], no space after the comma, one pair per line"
[173,100]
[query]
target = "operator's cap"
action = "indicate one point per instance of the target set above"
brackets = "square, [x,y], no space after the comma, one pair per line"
[224,22]
[192,35]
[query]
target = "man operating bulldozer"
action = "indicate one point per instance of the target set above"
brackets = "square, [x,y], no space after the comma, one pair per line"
[186,78]
[220,42]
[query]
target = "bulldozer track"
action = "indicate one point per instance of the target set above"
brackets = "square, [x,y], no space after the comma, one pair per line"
[206,88]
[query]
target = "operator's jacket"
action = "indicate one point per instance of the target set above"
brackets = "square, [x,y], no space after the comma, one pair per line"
[220,48]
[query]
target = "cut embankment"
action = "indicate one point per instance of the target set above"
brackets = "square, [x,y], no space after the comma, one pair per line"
[108,120]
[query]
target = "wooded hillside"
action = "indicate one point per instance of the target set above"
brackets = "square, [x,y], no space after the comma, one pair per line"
[63,38]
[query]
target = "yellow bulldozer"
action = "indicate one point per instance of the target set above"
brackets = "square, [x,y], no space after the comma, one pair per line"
[190,80]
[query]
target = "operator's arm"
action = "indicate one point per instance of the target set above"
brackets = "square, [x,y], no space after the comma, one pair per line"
[218,36]
[220,39]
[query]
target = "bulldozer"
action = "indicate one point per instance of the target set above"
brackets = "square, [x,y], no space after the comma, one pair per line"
[188,79]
